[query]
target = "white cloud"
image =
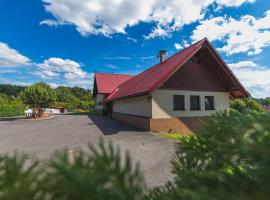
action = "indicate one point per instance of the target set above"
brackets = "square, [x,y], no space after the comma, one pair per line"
[114,16]
[234,2]
[178,46]
[11,58]
[243,64]
[116,58]
[254,77]
[111,66]
[54,67]
[246,35]
[64,72]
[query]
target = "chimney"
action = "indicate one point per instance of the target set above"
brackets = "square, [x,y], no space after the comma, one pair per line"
[162,55]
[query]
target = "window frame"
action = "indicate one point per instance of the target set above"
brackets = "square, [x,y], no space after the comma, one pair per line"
[213,103]
[183,106]
[199,103]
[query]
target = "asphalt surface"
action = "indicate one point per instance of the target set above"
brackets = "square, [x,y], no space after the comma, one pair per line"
[39,139]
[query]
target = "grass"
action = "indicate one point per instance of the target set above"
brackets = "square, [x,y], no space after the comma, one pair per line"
[172,136]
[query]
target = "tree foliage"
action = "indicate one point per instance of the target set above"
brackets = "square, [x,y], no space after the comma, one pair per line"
[101,173]
[73,98]
[246,105]
[264,101]
[38,96]
[11,90]
[228,159]
[11,106]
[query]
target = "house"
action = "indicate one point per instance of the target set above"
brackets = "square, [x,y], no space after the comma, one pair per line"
[174,94]
[104,85]
[267,109]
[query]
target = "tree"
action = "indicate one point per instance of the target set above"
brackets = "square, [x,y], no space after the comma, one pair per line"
[246,105]
[11,90]
[38,97]
[228,159]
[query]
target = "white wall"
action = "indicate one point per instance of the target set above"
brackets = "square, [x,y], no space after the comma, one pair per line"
[99,98]
[162,103]
[140,106]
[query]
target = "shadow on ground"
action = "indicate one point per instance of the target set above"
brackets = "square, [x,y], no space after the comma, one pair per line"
[109,126]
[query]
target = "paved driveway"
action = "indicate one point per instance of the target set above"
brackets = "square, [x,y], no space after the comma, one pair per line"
[40,138]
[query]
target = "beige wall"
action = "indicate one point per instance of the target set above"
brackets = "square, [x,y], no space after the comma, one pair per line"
[99,98]
[162,103]
[140,106]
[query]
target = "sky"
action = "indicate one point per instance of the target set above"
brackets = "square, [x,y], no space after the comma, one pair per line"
[64,42]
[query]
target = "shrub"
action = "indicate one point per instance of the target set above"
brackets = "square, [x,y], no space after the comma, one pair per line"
[96,174]
[10,108]
[228,159]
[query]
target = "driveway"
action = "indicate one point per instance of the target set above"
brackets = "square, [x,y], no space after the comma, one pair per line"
[41,138]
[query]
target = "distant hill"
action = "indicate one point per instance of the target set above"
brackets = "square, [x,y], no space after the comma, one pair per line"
[11,90]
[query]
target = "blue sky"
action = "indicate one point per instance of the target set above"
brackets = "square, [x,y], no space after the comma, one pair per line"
[63,42]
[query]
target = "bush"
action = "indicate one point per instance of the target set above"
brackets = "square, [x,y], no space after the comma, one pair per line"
[97,174]
[10,108]
[228,159]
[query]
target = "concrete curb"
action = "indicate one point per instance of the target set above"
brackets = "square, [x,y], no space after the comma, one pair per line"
[11,118]
[38,119]
[24,118]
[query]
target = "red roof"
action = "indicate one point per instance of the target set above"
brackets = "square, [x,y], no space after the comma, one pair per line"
[150,79]
[267,108]
[107,83]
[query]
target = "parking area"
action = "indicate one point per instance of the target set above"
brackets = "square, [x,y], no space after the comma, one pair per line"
[39,139]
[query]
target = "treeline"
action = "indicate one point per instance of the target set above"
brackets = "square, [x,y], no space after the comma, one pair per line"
[11,90]
[73,98]
[13,101]
[264,101]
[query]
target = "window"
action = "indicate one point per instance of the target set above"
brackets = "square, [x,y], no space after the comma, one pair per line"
[178,102]
[209,103]
[195,103]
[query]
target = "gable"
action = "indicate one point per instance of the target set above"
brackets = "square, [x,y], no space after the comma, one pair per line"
[156,76]
[196,75]
[106,83]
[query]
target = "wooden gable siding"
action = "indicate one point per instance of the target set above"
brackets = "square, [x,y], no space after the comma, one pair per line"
[196,76]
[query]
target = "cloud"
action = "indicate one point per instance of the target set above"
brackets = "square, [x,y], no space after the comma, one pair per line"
[182,45]
[116,58]
[96,17]
[147,57]
[55,67]
[58,71]
[11,58]
[178,46]
[243,64]
[111,66]
[246,35]
[132,39]
[254,77]
[234,2]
